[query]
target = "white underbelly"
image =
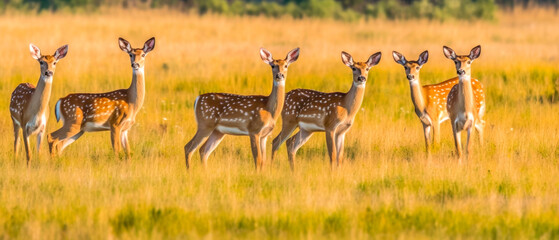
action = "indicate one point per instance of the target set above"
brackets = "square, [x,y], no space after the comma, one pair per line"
[443,119]
[34,129]
[94,127]
[461,120]
[231,130]
[310,127]
[16,122]
[36,125]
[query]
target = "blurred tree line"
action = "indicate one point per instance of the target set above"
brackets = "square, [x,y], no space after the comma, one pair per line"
[338,9]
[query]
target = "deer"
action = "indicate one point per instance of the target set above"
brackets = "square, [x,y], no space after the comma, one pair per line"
[430,100]
[111,111]
[29,105]
[333,113]
[220,114]
[463,109]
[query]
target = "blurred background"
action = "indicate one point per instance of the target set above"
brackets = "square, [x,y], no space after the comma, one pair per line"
[337,9]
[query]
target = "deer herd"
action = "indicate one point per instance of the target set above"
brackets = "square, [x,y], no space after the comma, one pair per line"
[460,99]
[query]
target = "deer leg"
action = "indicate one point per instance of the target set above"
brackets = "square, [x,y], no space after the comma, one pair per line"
[115,138]
[457,143]
[124,143]
[61,138]
[286,130]
[330,138]
[263,141]
[40,139]
[340,139]
[209,146]
[26,144]
[436,132]
[69,140]
[427,136]
[200,136]
[468,145]
[480,127]
[256,153]
[17,138]
[294,143]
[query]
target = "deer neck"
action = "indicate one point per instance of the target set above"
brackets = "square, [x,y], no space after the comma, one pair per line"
[353,98]
[466,93]
[137,89]
[417,96]
[276,99]
[39,102]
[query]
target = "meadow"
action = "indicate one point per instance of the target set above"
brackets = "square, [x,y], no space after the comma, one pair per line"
[386,188]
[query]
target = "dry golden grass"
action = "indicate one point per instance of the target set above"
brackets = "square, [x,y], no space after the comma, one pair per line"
[387,189]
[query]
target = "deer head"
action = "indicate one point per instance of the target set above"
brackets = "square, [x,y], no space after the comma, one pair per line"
[279,66]
[463,62]
[137,55]
[360,69]
[48,62]
[412,67]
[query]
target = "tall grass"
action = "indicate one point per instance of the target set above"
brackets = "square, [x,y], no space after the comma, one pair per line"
[386,189]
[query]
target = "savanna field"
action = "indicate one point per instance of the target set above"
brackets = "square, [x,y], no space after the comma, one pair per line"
[387,188]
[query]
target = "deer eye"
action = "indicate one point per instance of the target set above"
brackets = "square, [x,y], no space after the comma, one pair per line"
[353,68]
[143,55]
[469,62]
[54,63]
[285,66]
[416,68]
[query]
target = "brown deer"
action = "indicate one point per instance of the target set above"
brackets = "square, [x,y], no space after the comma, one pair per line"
[333,113]
[112,111]
[462,107]
[218,114]
[430,100]
[29,105]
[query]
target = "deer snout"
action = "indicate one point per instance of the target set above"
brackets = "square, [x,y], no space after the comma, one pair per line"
[280,76]
[135,65]
[49,73]
[410,77]
[460,72]
[361,79]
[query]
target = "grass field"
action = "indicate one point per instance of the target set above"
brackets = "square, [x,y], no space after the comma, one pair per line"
[386,189]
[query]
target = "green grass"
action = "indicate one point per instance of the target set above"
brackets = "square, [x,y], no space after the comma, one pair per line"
[386,188]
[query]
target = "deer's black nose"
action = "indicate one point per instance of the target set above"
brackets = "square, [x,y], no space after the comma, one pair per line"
[48,73]
[460,72]
[280,76]
[410,77]
[361,79]
[135,65]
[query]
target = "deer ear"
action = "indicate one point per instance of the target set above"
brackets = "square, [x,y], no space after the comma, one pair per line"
[475,52]
[149,45]
[266,56]
[124,45]
[374,59]
[449,53]
[347,59]
[61,52]
[398,57]
[35,51]
[423,57]
[292,56]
